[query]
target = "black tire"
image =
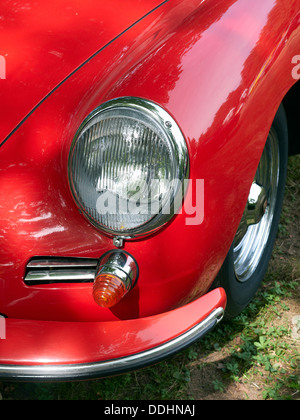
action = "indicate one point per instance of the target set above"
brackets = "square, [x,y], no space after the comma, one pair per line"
[240,293]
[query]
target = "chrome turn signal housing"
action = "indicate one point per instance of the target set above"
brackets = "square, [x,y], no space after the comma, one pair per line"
[116,275]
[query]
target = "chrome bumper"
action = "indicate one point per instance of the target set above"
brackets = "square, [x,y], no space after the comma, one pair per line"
[65,372]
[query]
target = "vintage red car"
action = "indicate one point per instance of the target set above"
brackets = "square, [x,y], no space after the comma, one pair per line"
[143,156]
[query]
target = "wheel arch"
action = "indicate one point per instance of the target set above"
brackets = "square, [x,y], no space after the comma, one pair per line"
[291,104]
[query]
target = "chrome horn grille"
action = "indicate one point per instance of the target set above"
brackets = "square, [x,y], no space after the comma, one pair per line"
[60,270]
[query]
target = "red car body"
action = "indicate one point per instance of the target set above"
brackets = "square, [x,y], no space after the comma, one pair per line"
[221,68]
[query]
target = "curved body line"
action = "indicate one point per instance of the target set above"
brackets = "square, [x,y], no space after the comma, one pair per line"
[78,68]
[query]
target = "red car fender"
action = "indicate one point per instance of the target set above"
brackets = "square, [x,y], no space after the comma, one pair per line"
[221,70]
[43,43]
[78,350]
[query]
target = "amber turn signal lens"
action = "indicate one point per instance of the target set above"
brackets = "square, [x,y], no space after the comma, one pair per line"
[116,275]
[108,290]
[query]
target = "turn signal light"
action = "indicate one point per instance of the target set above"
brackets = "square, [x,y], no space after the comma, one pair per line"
[108,290]
[116,275]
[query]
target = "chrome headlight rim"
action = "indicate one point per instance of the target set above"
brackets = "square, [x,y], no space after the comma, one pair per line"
[181,156]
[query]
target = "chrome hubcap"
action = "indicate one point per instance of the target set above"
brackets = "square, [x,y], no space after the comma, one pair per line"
[254,230]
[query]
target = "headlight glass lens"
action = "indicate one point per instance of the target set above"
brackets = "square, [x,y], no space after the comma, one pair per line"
[126,167]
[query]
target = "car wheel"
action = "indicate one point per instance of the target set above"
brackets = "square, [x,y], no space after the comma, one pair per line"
[247,261]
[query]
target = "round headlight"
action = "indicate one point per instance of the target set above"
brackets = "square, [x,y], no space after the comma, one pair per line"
[127,165]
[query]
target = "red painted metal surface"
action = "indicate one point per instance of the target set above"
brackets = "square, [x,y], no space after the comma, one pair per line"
[43,42]
[84,342]
[220,68]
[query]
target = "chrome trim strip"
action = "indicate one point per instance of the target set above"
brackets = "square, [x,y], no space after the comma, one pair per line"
[111,367]
[59,276]
[62,263]
[59,270]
